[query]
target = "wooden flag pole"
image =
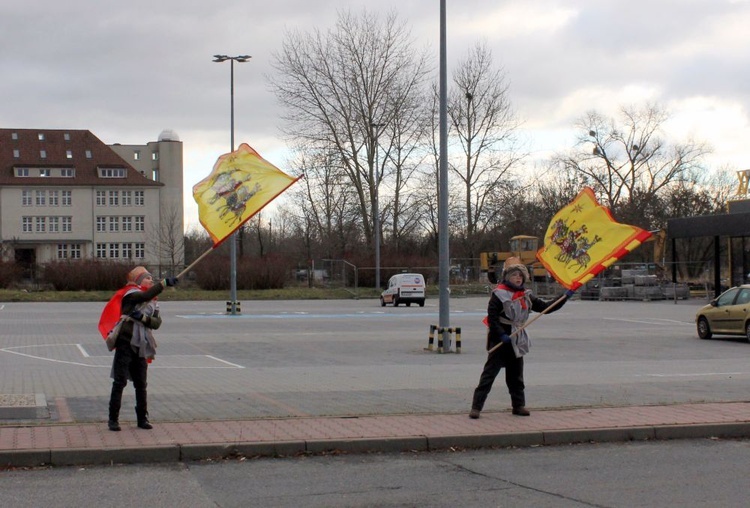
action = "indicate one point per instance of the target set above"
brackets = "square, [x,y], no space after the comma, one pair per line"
[527,323]
[186,270]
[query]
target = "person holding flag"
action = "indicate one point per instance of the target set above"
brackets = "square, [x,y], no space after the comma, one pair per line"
[507,341]
[134,312]
[581,241]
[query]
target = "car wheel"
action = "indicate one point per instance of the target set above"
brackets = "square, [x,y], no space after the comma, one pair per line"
[704,330]
[421,303]
[382,302]
[747,331]
[395,301]
[408,304]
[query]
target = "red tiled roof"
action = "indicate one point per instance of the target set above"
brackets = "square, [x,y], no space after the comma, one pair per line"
[56,147]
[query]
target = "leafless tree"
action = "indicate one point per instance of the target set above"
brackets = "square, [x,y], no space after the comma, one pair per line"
[484,124]
[167,240]
[345,88]
[628,162]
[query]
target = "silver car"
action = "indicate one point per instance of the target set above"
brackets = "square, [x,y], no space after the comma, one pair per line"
[729,314]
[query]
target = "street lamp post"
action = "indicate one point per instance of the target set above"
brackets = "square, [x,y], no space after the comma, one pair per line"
[376,212]
[233,241]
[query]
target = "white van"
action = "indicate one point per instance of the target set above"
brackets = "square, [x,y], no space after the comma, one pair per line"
[404,288]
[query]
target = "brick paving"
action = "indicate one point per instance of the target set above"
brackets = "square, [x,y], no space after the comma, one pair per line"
[36,445]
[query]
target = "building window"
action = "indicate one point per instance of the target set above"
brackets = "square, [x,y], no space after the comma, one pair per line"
[68,154]
[101,224]
[54,198]
[67,224]
[137,155]
[26,224]
[101,198]
[114,198]
[140,222]
[41,136]
[127,198]
[66,136]
[16,153]
[26,198]
[45,172]
[154,156]
[54,224]
[140,250]
[41,198]
[114,224]
[62,251]
[114,250]
[139,199]
[22,172]
[67,172]
[101,250]
[75,251]
[111,172]
[88,154]
[14,136]
[127,224]
[43,154]
[41,224]
[67,198]
[127,250]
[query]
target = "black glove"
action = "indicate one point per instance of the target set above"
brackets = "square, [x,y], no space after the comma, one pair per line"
[136,315]
[170,281]
[505,338]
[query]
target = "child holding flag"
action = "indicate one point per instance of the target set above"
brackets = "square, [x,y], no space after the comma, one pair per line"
[508,309]
[135,346]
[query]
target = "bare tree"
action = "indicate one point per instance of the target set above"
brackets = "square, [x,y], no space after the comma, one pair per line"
[484,124]
[167,240]
[338,87]
[628,163]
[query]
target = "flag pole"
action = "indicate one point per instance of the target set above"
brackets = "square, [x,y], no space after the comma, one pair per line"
[527,323]
[186,270]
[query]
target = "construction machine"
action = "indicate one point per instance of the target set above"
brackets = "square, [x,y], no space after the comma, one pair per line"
[523,247]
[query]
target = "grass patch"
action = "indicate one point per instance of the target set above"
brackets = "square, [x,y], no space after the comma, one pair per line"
[192,294]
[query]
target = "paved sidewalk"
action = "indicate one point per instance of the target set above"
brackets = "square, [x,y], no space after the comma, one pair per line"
[79,444]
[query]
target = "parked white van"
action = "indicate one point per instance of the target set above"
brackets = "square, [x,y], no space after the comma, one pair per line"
[404,288]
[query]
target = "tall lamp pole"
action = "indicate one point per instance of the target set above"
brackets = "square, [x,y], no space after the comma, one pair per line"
[233,241]
[376,212]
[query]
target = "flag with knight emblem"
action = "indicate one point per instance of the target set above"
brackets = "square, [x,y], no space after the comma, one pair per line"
[240,185]
[583,239]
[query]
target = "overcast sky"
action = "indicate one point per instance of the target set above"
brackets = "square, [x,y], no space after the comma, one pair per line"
[127,70]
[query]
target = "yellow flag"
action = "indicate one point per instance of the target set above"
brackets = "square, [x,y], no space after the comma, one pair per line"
[583,239]
[240,185]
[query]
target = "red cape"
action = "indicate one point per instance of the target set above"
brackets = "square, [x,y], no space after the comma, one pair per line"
[111,313]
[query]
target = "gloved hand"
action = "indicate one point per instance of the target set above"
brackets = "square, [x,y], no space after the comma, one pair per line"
[569,293]
[136,315]
[505,338]
[170,281]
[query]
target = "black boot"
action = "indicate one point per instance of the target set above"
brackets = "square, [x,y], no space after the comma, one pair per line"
[114,409]
[143,422]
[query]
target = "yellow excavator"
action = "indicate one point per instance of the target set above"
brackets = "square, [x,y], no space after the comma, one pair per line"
[521,246]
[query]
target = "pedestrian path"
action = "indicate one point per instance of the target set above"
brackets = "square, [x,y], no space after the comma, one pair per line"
[80,444]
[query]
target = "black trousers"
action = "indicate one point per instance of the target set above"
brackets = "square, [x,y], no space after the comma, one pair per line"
[127,364]
[502,357]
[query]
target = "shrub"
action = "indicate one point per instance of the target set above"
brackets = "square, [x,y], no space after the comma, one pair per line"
[10,274]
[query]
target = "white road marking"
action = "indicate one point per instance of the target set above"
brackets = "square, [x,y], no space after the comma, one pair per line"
[84,354]
[653,321]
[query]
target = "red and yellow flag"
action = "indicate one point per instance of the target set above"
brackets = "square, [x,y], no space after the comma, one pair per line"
[240,185]
[583,239]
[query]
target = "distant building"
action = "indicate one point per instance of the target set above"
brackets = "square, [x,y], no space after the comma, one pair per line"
[64,194]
